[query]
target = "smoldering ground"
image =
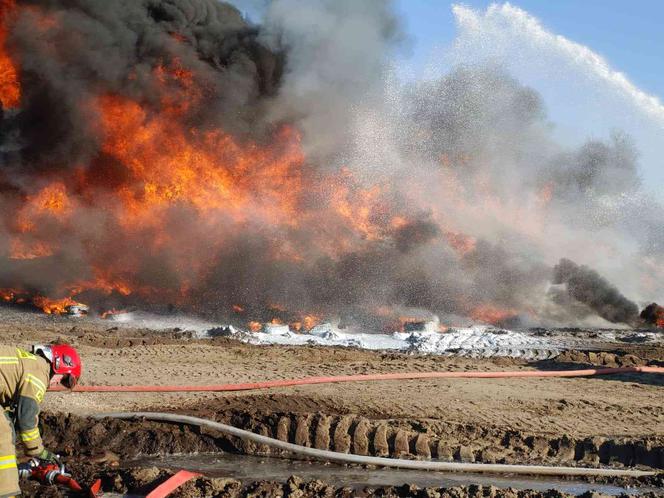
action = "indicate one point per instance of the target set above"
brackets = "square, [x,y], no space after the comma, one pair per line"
[447,195]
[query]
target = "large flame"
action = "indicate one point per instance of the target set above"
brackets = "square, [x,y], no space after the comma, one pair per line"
[210,170]
[161,163]
[158,168]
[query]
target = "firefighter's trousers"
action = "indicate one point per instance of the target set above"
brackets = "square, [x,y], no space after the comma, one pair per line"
[8,470]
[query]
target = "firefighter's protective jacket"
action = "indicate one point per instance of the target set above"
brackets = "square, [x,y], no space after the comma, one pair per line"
[24,379]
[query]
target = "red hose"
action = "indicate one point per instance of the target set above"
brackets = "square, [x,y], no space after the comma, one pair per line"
[368,377]
[171,484]
[68,482]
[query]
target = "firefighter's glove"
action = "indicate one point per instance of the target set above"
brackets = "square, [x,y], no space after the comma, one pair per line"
[48,456]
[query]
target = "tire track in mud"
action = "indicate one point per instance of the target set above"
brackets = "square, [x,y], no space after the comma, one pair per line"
[351,433]
[423,440]
[419,439]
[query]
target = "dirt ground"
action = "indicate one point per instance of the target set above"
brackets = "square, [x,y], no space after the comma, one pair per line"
[617,421]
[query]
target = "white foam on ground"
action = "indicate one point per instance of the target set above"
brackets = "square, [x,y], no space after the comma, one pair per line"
[476,341]
[153,321]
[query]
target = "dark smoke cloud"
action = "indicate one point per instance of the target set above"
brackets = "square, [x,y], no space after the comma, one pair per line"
[587,286]
[653,314]
[414,234]
[100,47]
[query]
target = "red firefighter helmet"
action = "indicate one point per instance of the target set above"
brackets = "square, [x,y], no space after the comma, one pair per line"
[65,362]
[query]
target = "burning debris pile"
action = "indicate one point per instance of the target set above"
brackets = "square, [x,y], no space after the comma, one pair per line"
[169,152]
[49,306]
[653,314]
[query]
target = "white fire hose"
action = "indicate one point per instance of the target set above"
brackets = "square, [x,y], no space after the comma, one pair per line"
[334,456]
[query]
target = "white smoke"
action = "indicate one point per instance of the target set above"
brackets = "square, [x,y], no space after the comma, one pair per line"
[501,27]
[337,62]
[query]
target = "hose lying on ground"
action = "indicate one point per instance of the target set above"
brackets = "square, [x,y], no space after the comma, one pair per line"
[248,386]
[334,456]
[172,483]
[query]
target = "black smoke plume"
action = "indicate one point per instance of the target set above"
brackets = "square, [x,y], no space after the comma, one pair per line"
[589,287]
[96,47]
[653,314]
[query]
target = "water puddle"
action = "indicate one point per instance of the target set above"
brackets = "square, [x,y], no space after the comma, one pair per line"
[251,468]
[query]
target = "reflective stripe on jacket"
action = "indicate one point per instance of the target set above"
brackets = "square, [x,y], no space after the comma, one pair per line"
[24,380]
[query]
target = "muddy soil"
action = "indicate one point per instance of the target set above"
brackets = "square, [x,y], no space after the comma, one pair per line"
[139,482]
[80,439]
[615,421]
[413,439]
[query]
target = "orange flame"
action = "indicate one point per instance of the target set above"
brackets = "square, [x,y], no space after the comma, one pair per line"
[169,165]
[51,202]
[54,306]
[358,214]
[461,243]
[218,179]
[20,249]
[489,313]
[306,323]
[210,170]
[49,306]
[255,326]
[102,284]
[109,313]
[310,321]
[659,317]
[10,88]
[8,295]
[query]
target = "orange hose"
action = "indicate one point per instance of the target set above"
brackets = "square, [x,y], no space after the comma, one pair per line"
[69,483]
[249,386]
[171,484]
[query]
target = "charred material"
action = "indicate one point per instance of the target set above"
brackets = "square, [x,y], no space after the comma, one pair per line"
[653,314]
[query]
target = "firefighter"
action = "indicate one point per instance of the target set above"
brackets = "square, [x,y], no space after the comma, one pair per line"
[24,379]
